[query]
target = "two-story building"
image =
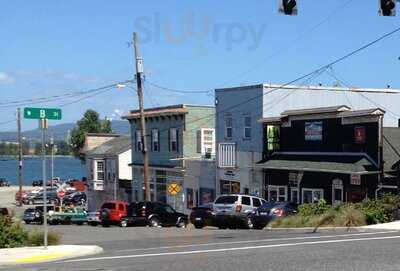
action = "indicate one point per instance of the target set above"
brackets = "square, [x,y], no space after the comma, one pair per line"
[181,148]
[108,171]
[333,153]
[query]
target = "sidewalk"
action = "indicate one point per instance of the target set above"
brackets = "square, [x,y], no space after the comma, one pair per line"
[29,255]
[385,226]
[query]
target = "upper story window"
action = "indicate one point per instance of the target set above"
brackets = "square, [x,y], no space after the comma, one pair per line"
[173,139]
[247,126]
[100,170]
[206,141]
[139,143]
[227,155]
[228,127]
[155,140]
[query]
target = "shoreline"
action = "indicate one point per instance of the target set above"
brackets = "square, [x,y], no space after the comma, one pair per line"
[35,156]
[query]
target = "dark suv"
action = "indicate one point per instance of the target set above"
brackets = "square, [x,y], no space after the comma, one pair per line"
[51,197]
[154,214]
[35,215]
[76,198]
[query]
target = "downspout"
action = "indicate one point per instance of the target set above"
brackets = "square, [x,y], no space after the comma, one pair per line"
[380,154]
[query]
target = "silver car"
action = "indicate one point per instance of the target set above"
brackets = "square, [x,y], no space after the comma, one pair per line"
[234,210]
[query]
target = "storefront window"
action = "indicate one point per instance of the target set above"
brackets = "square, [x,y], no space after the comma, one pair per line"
[277,193]
[229,187]
[312,195]
[206,195]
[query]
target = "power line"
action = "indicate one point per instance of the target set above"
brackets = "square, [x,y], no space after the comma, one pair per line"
[178,90]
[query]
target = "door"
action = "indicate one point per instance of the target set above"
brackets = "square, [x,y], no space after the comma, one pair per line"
[337,191]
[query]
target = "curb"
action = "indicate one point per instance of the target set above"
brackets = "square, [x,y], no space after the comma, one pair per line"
[35,255]
[320,229]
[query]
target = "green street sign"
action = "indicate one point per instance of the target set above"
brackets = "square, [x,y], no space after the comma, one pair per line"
[42,113]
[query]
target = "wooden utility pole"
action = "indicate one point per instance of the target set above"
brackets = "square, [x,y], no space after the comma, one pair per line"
[20,176]
[139,71]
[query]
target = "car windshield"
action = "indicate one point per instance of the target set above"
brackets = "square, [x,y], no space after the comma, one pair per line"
[108,205]
[226,200]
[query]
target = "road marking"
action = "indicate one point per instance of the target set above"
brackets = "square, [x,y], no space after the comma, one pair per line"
[231,249]
[256,241]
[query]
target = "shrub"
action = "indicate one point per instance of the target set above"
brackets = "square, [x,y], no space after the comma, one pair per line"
[311,209]
[36,238]
[349,216]
[11,234]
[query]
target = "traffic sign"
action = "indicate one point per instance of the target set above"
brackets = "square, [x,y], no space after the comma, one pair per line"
[61,194]
[173,189]
[42,113]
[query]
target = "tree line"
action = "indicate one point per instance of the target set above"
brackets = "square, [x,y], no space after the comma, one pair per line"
[35,148]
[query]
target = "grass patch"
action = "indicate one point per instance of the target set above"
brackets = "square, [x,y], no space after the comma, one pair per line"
[36,238]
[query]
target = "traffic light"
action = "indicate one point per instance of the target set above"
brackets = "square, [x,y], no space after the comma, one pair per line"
[288,7]
[387,8]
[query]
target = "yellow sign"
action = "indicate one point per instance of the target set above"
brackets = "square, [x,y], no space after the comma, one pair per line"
[174,188]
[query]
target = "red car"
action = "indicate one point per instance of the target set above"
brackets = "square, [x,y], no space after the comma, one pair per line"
[112,212]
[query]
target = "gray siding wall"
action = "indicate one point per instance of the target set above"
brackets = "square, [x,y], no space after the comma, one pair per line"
[238,103]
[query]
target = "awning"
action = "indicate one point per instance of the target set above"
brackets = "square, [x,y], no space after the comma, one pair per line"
[345,164]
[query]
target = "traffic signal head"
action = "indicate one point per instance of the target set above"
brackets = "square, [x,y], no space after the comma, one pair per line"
[387,7]
[288,7]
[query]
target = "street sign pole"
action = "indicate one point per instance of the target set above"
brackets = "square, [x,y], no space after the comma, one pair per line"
[43,127]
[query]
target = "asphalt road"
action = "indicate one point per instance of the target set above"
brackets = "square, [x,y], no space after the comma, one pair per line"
[189,249]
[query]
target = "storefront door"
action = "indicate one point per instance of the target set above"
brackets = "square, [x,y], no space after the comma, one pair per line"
[337,191]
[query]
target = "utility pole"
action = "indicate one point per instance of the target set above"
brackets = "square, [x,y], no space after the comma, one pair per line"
[43,127]
[52,160]
[139,71]
[20,178]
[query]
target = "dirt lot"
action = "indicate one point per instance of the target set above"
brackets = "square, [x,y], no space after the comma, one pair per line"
[7,198]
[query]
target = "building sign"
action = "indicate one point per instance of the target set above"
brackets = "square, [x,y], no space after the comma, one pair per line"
[273,137]
[355,179]
[359,135]
[313,130]
[98,186]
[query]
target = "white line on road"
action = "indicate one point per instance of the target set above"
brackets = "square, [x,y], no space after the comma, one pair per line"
[232,249]
[256,241]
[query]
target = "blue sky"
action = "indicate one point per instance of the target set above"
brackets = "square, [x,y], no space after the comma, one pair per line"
[55,47]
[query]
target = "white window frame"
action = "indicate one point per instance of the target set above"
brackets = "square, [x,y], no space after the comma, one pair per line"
[227,156]
[340,187]
[205,143]
[97,162]
[296,190]
[246,127]
[173,138]
[155,138]
[139,143]
[312,193]
[277,187]
[228,127]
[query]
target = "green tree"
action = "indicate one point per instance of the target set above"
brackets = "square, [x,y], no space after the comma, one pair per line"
[63,148]
[90,123]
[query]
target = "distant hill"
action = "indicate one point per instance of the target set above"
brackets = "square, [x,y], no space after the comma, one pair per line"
[60,131]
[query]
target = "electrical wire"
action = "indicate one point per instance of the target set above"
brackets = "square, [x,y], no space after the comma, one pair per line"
[178,90]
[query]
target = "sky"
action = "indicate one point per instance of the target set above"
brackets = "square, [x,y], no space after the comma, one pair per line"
[51,48]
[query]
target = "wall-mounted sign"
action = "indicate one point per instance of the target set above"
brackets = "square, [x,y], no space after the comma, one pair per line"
[313,130]
[273,137]
[355,179]
[359,135]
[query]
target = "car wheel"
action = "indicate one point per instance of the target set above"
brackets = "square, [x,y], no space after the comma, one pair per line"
[181,223]
[199,225]
[222,226]
[105,224]
[249,223]
[154,222]
[67,221]
[27,222]
[80,223]
[31,202]
[123,224]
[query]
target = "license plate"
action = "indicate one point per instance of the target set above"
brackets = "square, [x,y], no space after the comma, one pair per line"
[263,213]
[198,219]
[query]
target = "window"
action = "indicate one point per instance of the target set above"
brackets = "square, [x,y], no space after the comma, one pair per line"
[173,139]
[228,127]
[100,170]
[256,202]
[226,200]
[139,145]
[189,198]
[155,140]
[277,193]
[206,141]
[247,127]
[312,195]
[229,187]
[294,194]
[227,155]
[121,207]
[246,201]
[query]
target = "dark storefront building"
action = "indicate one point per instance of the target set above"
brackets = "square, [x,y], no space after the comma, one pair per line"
[333,153]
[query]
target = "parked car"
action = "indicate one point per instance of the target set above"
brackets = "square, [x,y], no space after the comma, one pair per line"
[202,216]
[76,198]
[4,182]
[234,210]
[112,212]
[154,214]
[37,198]
[76,215]
[93,218]
[35,215]
[271,210]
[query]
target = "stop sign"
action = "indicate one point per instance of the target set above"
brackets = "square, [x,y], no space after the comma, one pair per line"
[61,194]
